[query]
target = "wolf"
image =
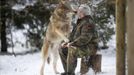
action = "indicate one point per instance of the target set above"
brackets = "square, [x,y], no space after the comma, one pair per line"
[58,30]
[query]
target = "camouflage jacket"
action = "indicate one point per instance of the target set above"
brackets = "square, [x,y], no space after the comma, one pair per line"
[84,34]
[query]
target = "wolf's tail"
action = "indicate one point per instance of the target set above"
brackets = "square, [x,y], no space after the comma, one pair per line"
[48,60]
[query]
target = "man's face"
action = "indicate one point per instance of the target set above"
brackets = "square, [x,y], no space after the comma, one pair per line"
[80,13]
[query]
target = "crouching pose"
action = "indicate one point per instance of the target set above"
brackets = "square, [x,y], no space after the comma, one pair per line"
[83,43]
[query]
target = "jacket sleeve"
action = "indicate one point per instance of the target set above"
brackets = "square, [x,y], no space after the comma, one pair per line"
[85,36]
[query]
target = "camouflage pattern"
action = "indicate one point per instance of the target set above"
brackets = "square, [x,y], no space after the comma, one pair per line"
[84,37]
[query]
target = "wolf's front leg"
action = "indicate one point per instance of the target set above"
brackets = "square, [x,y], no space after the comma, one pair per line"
[62,35]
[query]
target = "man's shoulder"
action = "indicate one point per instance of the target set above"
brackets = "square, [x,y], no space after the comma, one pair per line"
[90,20]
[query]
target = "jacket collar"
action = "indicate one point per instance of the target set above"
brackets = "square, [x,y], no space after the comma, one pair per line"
[84,18]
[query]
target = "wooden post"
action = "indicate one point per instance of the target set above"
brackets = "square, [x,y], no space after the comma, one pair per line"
[130,36]
[120,37]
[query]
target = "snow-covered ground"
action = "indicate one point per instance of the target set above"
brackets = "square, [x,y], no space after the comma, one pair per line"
[30,64]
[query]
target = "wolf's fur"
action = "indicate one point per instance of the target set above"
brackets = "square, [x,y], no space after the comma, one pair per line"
[58,30]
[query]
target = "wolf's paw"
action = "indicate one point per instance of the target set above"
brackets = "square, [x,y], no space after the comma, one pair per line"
[66,40]
[57,72]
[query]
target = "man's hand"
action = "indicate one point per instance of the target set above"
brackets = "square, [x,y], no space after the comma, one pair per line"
[64,44]
[70,45]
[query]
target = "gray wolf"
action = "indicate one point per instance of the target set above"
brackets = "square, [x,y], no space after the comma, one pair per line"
[58,30]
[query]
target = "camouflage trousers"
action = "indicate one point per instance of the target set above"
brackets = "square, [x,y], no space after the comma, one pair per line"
[69,59]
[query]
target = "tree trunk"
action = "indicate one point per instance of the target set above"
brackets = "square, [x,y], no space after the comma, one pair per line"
[130,37]
[3,27]
[3,38]
[120,37]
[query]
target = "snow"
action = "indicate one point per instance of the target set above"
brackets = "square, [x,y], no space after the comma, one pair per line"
[18,7]
[19,41]
[30,64]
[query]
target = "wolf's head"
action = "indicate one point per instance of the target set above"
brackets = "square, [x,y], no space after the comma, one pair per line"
[70,4]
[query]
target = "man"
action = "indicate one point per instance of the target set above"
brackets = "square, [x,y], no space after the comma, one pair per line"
[83,43]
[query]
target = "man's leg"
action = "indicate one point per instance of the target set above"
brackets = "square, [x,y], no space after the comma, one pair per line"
[85,64]
[71,61]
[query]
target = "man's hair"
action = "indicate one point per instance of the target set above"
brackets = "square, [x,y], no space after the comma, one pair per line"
[85,9]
